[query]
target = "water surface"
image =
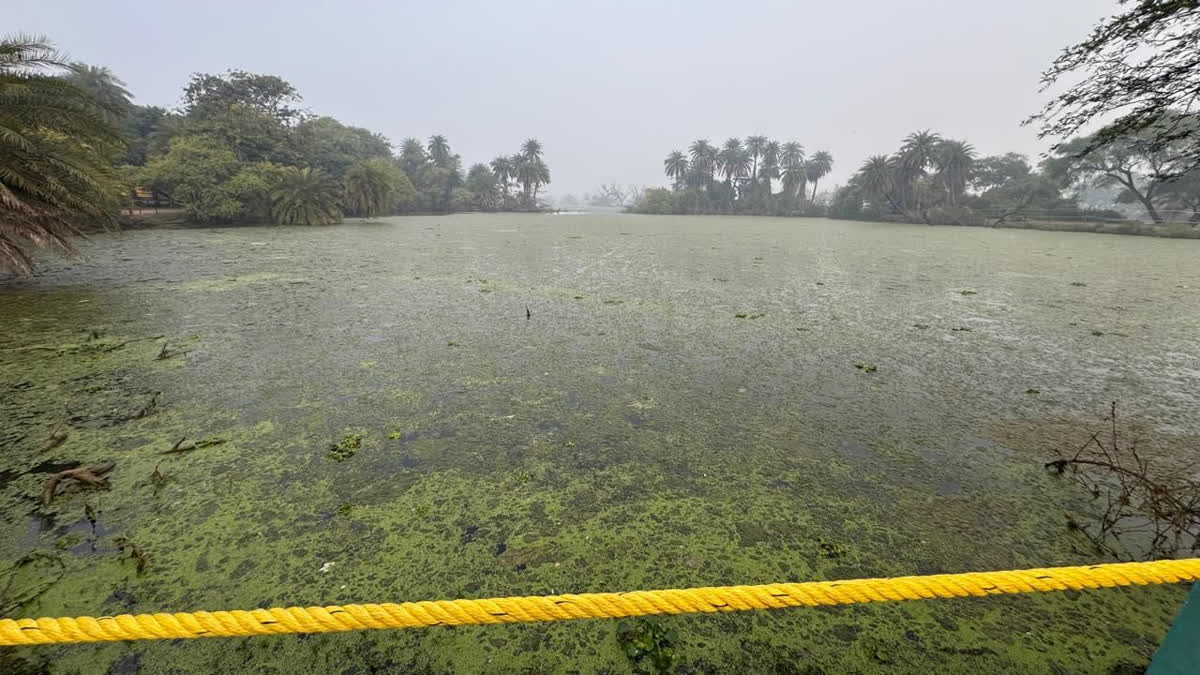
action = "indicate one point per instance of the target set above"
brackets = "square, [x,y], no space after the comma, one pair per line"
[585,403]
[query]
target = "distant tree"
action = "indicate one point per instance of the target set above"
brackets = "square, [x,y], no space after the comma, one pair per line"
[994,171]
[252,187]
[877,179]
[755,146]
[194,173]
[954,160]
[1141,65]
[106,88]
[206,95]
[733,162]
[656,200]
[371,185]
[306,197]
[412,157]
[326,144]
[439,149]
[502,167]
[703,158]
[138,127]
[1183,193]
[1136,163]
[55,144]
[817,168]
[794,171]
[676,168]
[485,187]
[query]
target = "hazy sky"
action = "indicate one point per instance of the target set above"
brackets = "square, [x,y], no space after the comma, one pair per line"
[609,87]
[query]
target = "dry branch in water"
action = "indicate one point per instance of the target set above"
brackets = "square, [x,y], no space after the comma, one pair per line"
[90,475]
[1141,511]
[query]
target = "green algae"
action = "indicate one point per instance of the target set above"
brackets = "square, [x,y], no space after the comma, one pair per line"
[607,448]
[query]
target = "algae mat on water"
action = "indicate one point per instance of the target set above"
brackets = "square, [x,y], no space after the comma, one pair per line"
[634,429]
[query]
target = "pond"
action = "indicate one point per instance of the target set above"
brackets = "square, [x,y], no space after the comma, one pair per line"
[567,403]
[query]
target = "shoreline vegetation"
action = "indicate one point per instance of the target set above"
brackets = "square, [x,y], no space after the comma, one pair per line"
[76,153]
[939,181]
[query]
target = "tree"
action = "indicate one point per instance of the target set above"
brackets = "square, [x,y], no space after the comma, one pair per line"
[877,178]
[997,170]
[1136,163]
[370,186]
[954,160]
[817,168]
[412,157]
[676,167]
[755,146]
[439,149]
[484,187]
[305,197]
[703,158]
[140,127]
[794,171]
[326,144]
[106,88]
[54,144]
[733,162]
[252,187]
[505,172]
[1183,193]
[194,173]
[1140,66]
[206,95]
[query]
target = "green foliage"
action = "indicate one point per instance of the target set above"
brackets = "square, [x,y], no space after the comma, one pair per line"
[194,173]
[252,186]
[305,197]
[371,186]
[739,178]
[56,144]
[647,644]
[326,144]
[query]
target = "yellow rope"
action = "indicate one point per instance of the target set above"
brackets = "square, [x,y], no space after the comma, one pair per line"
[587,605]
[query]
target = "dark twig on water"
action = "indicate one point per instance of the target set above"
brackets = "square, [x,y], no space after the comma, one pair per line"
[135,552]
[204,443]
[157,479]
[149,407]
[528,314]
[166,353]
[1140,511]
[88,475]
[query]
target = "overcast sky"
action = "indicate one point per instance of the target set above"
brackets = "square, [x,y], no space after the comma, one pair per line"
[609,87]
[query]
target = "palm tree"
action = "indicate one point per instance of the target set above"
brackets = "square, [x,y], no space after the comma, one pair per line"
[305,197]
[954,160]
[531,149]
[755,146]
[916,155]
[703,156]
[439,149]
[794,175]
[877,176]
[505,171]
[54,142]
[412,157]
[370,185]
[100,82]
[676,167]
[817,168]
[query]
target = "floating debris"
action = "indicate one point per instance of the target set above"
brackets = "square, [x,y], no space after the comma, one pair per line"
[345,448]
[967,291]
[89,475]
[866,367]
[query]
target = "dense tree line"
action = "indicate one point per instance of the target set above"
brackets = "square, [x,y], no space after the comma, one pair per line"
[240,148]
[931,179]
[739,177]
